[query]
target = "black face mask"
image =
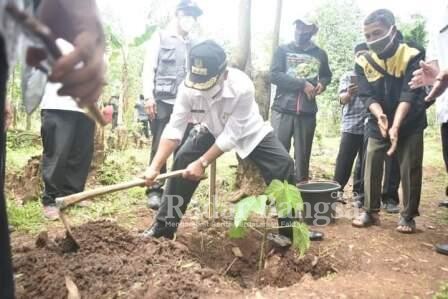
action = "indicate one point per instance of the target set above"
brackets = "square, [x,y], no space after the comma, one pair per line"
[303,38]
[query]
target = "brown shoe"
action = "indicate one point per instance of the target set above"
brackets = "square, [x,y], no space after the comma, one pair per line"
[366,219]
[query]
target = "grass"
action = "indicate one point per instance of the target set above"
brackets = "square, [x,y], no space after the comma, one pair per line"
[442,293]
[125,165]
[26,218]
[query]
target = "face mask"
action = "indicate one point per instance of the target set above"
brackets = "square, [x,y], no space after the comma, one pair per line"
[382,44]
[303,38]
[186,23]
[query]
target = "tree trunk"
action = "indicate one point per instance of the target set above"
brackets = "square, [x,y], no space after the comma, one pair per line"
[242,55]
[263,93]
[123,107]
[99,153]
[278,19]
[248,178]
[28,122]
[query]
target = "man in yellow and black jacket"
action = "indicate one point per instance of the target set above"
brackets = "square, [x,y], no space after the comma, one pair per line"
[397,116]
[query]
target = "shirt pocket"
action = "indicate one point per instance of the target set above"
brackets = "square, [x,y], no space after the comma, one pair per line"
[167,61]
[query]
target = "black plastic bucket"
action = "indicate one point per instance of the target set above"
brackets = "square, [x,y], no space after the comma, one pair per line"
[320,199]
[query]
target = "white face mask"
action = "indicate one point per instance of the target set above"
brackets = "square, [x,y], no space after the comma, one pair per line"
[214,91]
[186,23]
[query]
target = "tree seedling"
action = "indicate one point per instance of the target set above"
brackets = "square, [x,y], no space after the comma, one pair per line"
[287,200]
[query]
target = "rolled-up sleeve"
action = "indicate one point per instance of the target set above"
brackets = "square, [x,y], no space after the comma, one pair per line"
[175,129]
[235,126]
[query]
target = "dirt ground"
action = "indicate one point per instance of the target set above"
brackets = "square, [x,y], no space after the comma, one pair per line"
[114,262]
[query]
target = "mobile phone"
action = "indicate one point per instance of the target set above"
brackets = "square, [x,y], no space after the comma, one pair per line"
[353,80]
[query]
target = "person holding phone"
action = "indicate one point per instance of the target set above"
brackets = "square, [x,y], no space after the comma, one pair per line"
[352,140]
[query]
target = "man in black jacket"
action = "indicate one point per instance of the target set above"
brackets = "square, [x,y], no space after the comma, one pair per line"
[300,71]
[397,116]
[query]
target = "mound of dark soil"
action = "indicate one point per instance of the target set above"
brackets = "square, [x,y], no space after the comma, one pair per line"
[112,263]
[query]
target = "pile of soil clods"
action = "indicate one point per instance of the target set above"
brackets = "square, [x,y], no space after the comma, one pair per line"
[112,263]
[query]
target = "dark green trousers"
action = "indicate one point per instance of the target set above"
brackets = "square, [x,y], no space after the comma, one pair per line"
[410,157]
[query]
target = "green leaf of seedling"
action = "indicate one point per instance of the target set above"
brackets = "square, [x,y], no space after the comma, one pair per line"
[287,197]
[274,189]
[301,237]
[247,206]
[238,232]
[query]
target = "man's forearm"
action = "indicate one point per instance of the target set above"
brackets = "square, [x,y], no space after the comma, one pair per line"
[166,149]
[212,154]
[376,110]
[401,112]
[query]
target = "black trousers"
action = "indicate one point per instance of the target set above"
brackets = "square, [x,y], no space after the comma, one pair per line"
[352,146]
[444,134]
[270,156]
[68,142]
[302,129]
[157,126]
[6,273]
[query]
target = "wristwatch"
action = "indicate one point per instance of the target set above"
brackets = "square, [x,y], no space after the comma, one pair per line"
[204,162]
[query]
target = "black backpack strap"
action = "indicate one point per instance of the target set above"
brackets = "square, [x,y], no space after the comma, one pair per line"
[375,65]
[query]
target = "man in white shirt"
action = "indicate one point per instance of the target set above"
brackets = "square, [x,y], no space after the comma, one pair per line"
[434,72]
[221,100]
[68,143]
[164,69]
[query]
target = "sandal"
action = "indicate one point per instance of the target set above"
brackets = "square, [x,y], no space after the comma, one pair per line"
[366,219]
[406,226]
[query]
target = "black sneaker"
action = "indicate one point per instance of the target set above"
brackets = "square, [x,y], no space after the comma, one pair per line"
[154,199]
[158,230]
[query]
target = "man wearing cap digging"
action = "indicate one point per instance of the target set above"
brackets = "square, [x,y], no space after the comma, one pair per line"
[221,102]
[300,71]
[164,69]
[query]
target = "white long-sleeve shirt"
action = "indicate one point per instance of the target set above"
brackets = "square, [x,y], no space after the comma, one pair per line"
[438,50]
[232,117]
[152,60]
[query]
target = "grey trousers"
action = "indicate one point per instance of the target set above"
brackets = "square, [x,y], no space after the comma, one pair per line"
[410,157]
[301,128]
[68,142]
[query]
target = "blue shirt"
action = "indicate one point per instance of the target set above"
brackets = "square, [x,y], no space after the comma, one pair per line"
[354,112]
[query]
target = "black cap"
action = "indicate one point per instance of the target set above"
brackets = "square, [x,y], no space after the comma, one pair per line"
[207,60]
[190,8]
